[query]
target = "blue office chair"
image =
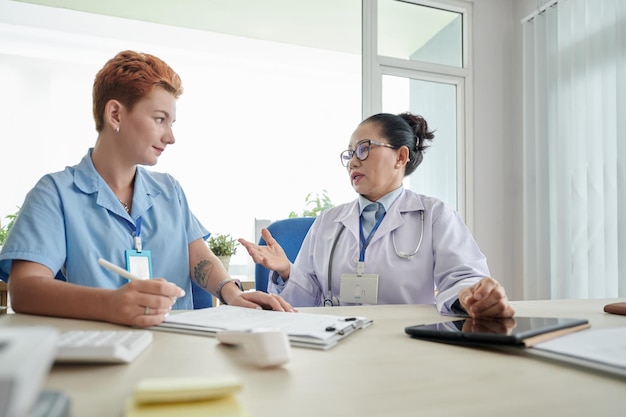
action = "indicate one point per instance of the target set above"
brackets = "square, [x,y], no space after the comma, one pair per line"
[201,298]
[289,233]
[4,291]
[58,276]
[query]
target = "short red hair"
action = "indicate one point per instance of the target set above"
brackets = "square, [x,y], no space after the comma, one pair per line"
[129,77]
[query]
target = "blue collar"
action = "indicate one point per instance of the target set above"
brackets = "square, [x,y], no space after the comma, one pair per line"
[89,181]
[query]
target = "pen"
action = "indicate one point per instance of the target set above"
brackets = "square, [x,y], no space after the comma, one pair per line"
[114,268]
[124,273]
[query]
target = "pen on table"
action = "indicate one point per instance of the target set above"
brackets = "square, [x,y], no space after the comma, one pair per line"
[114,268]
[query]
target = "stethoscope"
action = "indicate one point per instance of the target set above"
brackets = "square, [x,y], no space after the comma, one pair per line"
[331,300]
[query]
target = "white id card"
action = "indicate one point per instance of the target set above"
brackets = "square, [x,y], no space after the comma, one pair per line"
[359,289]
[139,263]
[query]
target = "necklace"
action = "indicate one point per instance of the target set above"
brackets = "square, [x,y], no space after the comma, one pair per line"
[125,206]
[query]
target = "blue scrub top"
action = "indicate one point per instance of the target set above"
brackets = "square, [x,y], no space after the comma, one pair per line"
[71,218]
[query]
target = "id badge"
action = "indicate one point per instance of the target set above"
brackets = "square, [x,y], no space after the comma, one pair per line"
[359,289]
[139,263]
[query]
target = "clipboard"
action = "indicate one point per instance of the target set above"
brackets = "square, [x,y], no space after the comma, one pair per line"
[516,331]
[317,331]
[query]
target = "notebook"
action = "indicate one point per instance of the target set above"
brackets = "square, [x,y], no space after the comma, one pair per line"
[517,331]
[318,331]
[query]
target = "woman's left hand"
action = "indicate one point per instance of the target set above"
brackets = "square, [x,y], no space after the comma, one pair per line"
[486,298]
[259,299]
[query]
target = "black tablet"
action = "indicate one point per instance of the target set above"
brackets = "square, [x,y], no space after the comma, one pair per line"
[510,331]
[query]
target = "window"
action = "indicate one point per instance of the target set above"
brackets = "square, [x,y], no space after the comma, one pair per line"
[421,65]
[267,108]
[436,102]
[412,31]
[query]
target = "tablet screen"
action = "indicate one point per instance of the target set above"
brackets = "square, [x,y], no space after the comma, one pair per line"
[509,331]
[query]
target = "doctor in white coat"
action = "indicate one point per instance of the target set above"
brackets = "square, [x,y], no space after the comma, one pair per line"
[390,245]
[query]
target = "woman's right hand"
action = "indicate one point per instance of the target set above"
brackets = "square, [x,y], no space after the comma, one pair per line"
[271,256]
[143,302]
[137,303]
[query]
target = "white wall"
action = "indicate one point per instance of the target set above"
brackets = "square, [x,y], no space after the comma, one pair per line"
[497,110]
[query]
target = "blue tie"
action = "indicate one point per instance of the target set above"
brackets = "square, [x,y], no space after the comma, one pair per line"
[371,214]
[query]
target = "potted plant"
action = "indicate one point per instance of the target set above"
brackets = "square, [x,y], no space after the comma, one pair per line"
[6,228]
[4,234]
[223,246]
[314,203]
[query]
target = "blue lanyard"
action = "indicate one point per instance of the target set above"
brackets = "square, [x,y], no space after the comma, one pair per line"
[137,234]
[365,242]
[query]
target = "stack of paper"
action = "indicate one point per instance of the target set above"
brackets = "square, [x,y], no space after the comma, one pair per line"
[320,331]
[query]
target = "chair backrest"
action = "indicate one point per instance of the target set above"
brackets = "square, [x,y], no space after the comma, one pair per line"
[289,233]
[201,298]
[4,297]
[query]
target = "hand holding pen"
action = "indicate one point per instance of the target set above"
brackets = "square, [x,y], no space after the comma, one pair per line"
[142,302]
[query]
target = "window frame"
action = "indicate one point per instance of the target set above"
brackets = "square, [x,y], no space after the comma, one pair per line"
[375,66]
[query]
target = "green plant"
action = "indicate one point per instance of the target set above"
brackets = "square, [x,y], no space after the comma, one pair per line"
[4,230]
[314,204]
[222,245]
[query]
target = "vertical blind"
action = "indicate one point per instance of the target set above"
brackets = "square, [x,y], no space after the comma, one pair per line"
[575,150]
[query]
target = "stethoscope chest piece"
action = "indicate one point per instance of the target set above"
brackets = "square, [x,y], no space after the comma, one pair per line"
[331,301]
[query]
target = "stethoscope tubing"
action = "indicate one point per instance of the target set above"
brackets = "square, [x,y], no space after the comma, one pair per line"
[419,243]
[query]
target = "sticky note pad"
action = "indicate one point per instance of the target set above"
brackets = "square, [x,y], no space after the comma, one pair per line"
[185,396]
[184,389]
[220,407]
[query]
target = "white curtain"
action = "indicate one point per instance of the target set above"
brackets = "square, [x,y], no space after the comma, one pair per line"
[575,150]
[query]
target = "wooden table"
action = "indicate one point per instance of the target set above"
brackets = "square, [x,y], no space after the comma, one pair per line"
[378,371]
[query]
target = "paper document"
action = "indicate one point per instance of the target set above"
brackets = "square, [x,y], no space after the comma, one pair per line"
[604,349]
[320,331]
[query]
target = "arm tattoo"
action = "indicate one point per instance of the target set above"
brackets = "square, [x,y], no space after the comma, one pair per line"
[202,272]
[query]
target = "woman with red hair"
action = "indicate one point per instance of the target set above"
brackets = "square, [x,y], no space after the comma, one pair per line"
[109,206]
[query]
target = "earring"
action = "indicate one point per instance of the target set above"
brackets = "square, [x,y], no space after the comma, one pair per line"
[117,129]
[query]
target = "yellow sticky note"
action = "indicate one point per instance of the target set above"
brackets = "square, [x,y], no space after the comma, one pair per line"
[182,389]
[220,407]
[185,396]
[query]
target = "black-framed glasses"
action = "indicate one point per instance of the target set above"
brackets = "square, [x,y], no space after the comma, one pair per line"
[361,151]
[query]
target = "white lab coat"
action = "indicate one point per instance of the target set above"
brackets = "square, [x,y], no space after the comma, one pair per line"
[449,258]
